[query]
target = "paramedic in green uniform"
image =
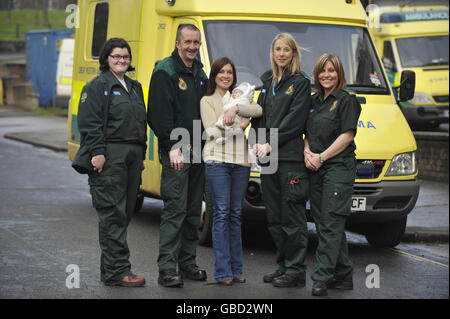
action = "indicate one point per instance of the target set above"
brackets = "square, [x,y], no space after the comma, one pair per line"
[330,156]
[178,83]
[285,99]
[117,155]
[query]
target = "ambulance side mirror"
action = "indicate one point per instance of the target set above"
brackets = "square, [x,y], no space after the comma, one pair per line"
[407,86]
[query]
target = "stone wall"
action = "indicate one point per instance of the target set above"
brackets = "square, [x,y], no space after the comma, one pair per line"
[15,88]
[432,151]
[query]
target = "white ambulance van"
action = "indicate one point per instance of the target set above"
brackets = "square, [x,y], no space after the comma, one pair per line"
[64,70]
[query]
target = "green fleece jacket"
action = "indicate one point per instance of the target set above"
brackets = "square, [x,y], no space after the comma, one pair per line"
[174,98]
[286,110]
[126,113]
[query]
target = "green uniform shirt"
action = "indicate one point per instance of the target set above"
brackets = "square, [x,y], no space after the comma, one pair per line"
[285,107]
[330,118]
[126,113]
[174,97]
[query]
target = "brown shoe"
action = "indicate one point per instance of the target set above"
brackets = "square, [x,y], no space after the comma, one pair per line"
[226,282]
[239,280]
[129,281]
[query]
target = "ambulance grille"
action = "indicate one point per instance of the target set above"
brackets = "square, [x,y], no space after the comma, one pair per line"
[369,169]
[366,191]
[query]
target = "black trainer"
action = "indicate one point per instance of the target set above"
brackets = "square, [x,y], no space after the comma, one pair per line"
[319,288]
[193,272]
[170,278]
[285,281]
[270,277]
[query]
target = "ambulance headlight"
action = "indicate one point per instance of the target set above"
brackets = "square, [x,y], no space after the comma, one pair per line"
[403,164]
[421,98]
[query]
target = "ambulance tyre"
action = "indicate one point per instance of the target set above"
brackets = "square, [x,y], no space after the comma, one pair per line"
[139,202]
[387,234]
[206,219]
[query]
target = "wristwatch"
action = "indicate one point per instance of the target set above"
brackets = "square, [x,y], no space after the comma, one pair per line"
[320,159]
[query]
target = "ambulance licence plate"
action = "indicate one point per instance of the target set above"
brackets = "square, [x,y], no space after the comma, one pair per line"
[358,204]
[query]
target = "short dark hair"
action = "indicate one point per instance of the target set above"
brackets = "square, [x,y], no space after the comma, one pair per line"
[181,27]
[107,48]
[215,69]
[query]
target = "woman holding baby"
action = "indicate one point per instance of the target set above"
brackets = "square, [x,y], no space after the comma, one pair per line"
[285,99]
[227,168]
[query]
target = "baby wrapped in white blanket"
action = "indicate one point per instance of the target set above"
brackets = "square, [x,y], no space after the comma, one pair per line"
[241,95]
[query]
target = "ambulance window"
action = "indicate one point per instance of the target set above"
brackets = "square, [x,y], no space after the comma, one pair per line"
[251,54]
[423,51]
[100,28]
[388,57]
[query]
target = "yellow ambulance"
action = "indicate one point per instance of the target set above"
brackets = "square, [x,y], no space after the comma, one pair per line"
[386,187]
[416,38]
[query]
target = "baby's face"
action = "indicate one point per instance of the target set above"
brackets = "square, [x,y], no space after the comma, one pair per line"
[236,93]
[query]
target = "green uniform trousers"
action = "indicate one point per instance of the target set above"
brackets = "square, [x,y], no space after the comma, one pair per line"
[285,193]
[331,189]
[114,193]
[182,193]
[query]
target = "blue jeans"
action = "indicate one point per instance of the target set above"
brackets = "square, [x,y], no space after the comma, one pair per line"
[227,183]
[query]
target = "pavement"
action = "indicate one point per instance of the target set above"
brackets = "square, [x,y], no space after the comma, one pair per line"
[428,222]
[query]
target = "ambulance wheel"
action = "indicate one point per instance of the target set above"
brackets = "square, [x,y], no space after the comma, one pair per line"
[387,234]
[206,218]
[139,202]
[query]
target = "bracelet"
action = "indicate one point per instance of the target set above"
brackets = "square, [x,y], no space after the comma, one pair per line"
[320,159]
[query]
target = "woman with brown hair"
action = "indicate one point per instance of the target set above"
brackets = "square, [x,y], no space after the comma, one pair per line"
[227,170]
[330,157]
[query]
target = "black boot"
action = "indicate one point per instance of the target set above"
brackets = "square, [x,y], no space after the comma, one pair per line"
[170,278]
[193,272]
[270,277]
[319,288]
[285,281]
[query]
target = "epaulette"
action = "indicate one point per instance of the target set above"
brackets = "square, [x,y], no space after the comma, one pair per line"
[166,65]
[305,75]
[350,92]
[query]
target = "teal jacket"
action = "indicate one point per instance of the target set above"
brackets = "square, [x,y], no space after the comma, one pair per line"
[126,113]
[174,98]
[287,112]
